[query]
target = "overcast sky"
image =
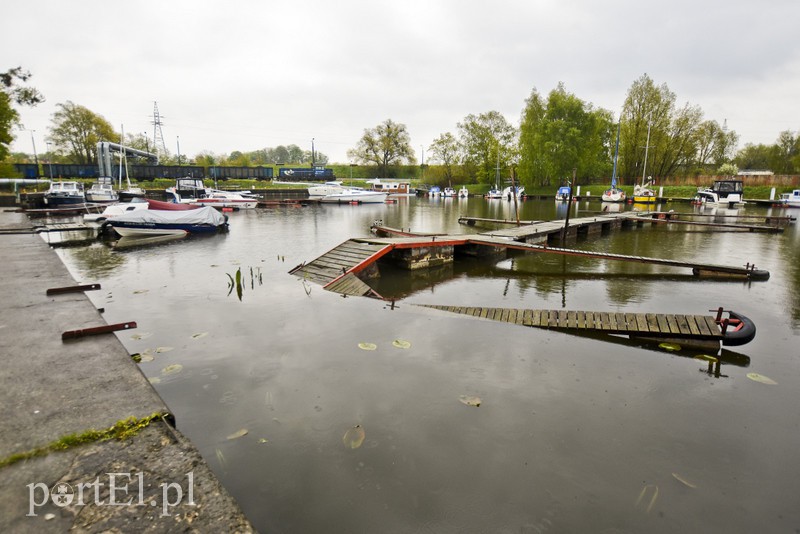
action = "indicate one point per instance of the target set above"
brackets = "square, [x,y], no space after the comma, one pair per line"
[244,75]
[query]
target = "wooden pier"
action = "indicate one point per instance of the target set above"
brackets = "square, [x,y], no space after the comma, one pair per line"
[693,329]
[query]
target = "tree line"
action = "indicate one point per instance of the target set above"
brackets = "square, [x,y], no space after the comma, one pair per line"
[558,135]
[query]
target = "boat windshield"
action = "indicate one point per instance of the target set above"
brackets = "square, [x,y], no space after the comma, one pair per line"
[728,187]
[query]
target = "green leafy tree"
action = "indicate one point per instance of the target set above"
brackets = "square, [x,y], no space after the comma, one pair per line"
[753,157]
[715,146]
[786,151]
[386,145]
[76,130]
[678,137]
[13,93]
[446,150]
[563,134]
[489,144]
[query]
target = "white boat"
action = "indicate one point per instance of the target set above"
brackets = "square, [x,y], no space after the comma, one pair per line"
[392,188]
[328,188]
[115,210]
[494,192]
[102,191]
[354,196]
[562,195]
[613,194]
[508,192]
[644,194]
[61,194]
[724,193]
[449,192]
[193,191]
[463,192]
[435,191]
[160,222]
[791,200]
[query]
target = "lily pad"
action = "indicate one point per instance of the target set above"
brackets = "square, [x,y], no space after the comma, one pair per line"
[470,400]
[172,369]
[145,357]
[199,335]
[154,380]
[142,335]
[367,346]
[683,480]
[238,434]
[401,344]
[707,358]
[669,346]
[140,291]
[159,350]
[263,440]
[354,437]
[761,378]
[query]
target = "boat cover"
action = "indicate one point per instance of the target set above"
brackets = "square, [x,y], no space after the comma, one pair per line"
[205,215]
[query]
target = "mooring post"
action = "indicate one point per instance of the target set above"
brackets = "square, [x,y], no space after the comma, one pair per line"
[569,207]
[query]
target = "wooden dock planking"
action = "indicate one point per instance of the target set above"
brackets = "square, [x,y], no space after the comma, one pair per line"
[338,261]
[350,285]
[651,325]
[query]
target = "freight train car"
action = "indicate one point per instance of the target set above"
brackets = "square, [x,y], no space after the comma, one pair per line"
[240,173]
[151,172]
[28,170]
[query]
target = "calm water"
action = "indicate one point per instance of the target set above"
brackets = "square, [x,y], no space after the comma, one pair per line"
[573,434]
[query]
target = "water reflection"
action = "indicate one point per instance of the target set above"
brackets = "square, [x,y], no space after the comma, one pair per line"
[570,429]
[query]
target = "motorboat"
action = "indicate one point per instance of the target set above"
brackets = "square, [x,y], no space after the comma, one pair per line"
[613,194]
[102,191]
[328,188]
[193,191]
[435,191]
[355,196]
[130,193]
[494,192]
[115,210]
[392,188]
[724,193]
[463,192]
[61,194]
[791,200]
[509,192]
[136,204]
[563,194]
[159,222]
[218,199]
[449,192]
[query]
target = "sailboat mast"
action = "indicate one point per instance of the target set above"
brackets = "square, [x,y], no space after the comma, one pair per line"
[616,156]
[122,153]
[646,146]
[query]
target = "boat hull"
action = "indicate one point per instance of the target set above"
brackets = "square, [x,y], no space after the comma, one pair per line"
[365,197]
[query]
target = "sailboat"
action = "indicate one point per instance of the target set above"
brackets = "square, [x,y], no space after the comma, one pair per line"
[643,194]
[613,194]
[495,191]
[130,192]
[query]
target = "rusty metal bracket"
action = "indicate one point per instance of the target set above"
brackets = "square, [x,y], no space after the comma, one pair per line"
[75,334]
[72,289]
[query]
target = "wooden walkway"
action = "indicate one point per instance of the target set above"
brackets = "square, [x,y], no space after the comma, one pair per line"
[672,326]
[335,270]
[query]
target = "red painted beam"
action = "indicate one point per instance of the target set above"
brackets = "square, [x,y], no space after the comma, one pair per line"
[72,289]
[74,334]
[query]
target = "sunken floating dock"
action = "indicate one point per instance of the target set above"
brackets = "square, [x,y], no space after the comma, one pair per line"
[702,327]
[697,330]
